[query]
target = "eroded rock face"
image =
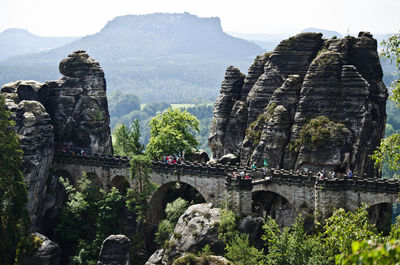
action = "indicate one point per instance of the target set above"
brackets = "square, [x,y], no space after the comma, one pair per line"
[48,253]
[36,135]
[197,227]
[77,104]
[70,111]
[305,77]
[115,250]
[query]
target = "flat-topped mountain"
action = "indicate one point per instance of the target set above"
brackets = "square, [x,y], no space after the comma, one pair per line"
[159,57]
[311,103]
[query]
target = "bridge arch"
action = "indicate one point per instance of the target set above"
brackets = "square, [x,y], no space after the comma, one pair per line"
[65,174]
[381,215]
[96,181]
[121,183]
[269,203]
[159,199]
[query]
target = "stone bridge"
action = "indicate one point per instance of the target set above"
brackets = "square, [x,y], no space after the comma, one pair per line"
[278,193]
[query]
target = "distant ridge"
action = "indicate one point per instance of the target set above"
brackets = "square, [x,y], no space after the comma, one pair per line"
[16,41]
[159,57]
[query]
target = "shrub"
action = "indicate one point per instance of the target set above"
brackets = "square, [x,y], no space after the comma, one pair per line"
[316,132]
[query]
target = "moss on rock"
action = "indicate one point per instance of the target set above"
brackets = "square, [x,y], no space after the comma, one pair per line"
[316,132]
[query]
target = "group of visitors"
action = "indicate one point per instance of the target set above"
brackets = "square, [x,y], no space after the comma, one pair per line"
[323,174]
[242,175]
[170,159]
[73,150]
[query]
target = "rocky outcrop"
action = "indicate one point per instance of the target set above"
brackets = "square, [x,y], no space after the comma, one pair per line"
[70,111]
[77,104]
[222,140]
[337,81]
[33,126]
[48,253]
[115,250]
[197,227]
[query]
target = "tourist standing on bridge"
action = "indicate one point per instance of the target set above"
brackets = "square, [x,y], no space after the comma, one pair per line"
[349,173]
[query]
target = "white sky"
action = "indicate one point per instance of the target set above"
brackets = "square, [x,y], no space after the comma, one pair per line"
[83,17]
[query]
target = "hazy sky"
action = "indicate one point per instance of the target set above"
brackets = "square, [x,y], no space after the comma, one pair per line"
[82,17]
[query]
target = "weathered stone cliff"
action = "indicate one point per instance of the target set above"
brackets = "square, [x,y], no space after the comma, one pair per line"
[70,111]
[311,103]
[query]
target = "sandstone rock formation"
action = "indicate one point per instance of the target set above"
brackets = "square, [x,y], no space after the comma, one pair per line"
[197,227]
[48,253]
[70,111]
[115,250]
[307,86]
[35,131]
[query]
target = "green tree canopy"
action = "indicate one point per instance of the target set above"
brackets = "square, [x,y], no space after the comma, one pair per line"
[389,150]
[127,140]
[172,132]
[14,222]
[121,104]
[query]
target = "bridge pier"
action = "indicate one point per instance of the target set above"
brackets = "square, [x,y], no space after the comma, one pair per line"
[239,196]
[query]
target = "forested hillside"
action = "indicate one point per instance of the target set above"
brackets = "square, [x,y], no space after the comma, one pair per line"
[158,57]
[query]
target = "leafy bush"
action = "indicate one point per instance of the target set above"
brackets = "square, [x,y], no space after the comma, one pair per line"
[344,227]
[240,251]
[293,245]
[166,227]
[316,132]
[86,219]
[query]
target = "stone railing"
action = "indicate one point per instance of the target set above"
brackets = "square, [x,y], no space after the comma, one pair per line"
[309,179]
[257,176]
[190,168]
[93,159]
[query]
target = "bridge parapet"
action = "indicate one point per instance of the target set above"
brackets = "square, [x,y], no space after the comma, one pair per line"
[94,159]
[200,169]
[391,186]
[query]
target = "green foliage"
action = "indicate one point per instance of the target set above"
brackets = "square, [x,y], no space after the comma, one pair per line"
[389,150]
[173,211]
[14,222]
[127,141]
[138,195]
[110,209]
[391,51]
[342,228]
[172,133]
[120,104]
[27,247]
[164,232]
[240,251]
[153,108]
[316,132]
[292,245]
[369,252]
[86,219]
[227,226]
[188,259]
[204,113]
[253,132]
